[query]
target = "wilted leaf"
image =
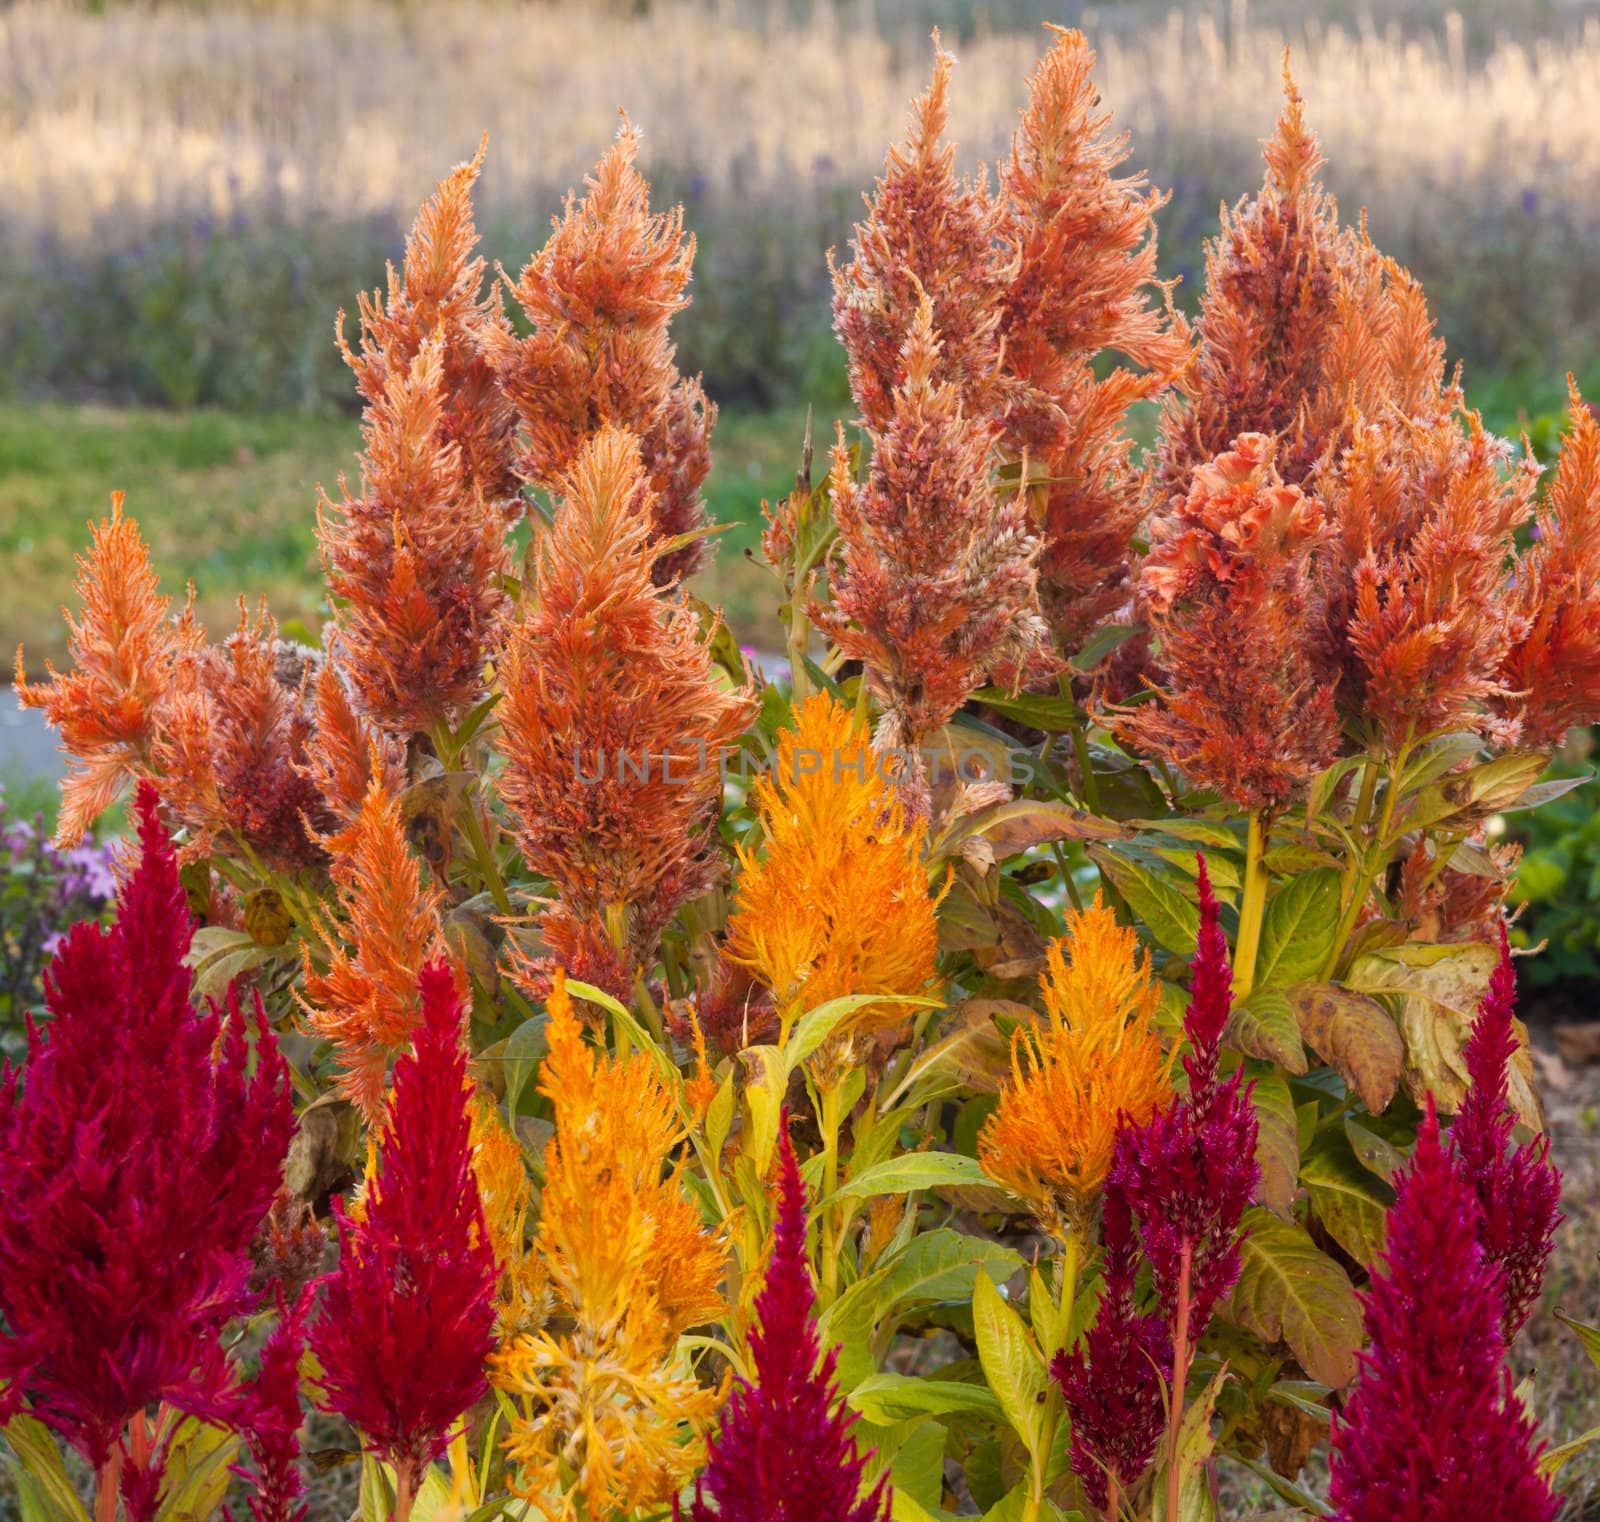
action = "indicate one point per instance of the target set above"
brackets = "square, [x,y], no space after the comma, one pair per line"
[1277,1139]
[1012,828]
[1465,797]
[1288,1289]
[1265,1026]
[1354,1036]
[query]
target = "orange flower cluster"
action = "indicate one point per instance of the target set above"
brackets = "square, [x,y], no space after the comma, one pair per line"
[613,727]
[523,1300]
[609,1400]
[600,297]
[126,649]
[1076,1080]
[839,903]
[938,584]
[1228,587]
[1550,679]
[366,1002]
[349,755]
[1085,245]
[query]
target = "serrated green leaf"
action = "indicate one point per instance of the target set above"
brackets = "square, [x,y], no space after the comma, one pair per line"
[1172,919]
[1011,1364]
[1297,935]
[1289,1289]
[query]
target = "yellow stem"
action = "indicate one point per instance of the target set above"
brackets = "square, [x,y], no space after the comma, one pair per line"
[1252,906]
[830,1120]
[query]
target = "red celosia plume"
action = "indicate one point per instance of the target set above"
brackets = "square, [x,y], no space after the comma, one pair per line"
[136,1163]
[272,1419]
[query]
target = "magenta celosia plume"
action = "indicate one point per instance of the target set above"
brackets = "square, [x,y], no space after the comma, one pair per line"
[1190,1172]
[1434,1431]
[784,1452]
[272,1419]
[406,1322]
[1518,1187]
[136,1164]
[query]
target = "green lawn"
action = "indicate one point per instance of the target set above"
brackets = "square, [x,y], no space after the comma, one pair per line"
[230,502]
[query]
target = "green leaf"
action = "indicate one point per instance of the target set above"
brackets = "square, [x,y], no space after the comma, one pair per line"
[1172,919]
[1277,1138]
[913,1170]
[1265,1026]
[886,1398]
[1301,921]
[943,1265]
[1588,1335]
[1011,1364]
[1553,1460]
[1197,830]
[197,1465]
[1195,1445]
[1377,1154]
[1348,1200]
[816,1025]
[1100,644]
[40,1462]
[1354,1035]
[524,1050]
[1290,1290]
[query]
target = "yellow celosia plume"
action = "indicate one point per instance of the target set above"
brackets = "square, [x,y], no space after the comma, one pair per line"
[839,904]
[1092,1064]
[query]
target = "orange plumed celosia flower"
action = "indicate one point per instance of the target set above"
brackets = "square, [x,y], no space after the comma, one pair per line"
[609,1413]
[838,903]
[927,234]
[937,584]
[1085,273]
[613,725]
[600,297]
[366,1001]
[1419,613]
[1228,585]
[125,649]
[439,292]
[522,1301]
[347,754]
[1551,675]
[1093,1066]
[236,730]
[417,557]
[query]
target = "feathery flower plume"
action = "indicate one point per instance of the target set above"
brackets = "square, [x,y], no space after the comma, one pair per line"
[839,903]
[136,1163]
[1247,717]
[347,755]
[783,1451]
[928,237]
[417,556]
[600,297]
[609,1399]
[272,1419]
[1086,249]
[1518,1188]
[367,1002]
[231,750]
[405,1324]
[937,587]
[440,293]
[1096,1066]
[1112,1381]
[1188,1173]
[1268,318]
[125,648]
[1551,674]
[1433,1430]
[1419,617]
[613,727]
[522,1300]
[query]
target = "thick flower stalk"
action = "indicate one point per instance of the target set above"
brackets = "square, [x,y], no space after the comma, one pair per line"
[272,1420]
[613,726]
[1518,1188]
[136,1163]
[1085,244]
[1112,1381]
[783,1451]
[838,903]
[603,1393]
[366,1001]
[937,586]
[1550,678]
[1093,1066]
[600,297]
[1434,1431]
[1246,716]
[125,648]
[928,236]
[405,1325]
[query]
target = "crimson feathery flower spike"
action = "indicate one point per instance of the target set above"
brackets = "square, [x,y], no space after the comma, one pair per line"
[124,1241]
[406,1322]
[1434,1431]
[1518,1187]
[273,1418]
[784,1452]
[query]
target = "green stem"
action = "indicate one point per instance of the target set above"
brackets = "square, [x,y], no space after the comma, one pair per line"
[830,1120]
[484,858]
[1066,1291]
[1252,906]
[798,644]
[1374,853]
[1080,748]
[1180,1379]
